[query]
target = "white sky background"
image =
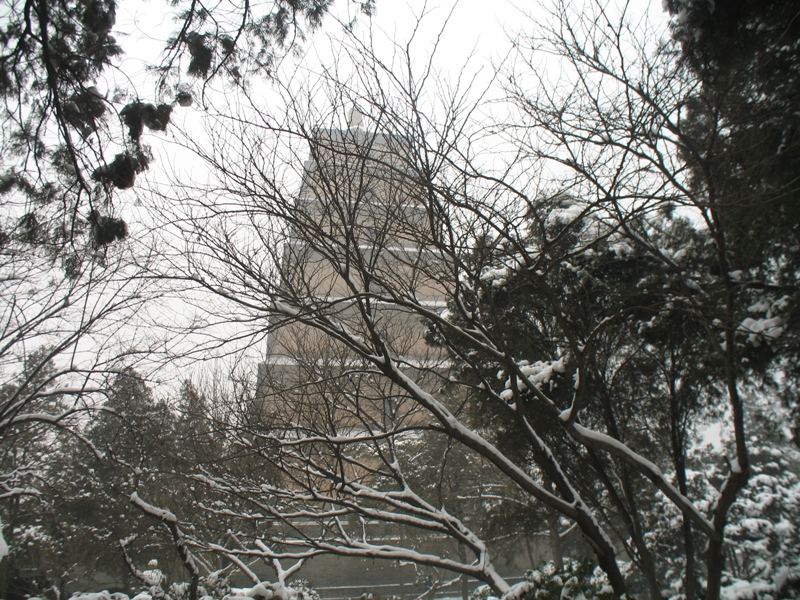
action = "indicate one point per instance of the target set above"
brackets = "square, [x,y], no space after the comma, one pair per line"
[474,33]
[473,24]
[475,37]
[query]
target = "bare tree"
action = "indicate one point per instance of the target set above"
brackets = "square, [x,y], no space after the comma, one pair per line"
[583,325]
[59,340]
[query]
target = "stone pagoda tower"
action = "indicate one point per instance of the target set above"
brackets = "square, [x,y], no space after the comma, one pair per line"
[355,253]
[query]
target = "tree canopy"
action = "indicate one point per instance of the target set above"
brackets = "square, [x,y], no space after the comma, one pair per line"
[60,128]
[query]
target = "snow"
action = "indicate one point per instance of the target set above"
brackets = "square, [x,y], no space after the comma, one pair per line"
[606,590]
[745,590]
[680,254]
[784,528]
[559,216]
[260,590]
[153,577]
[267,591]
[537,374]
[761,306]
[781,303]
[518,591]
[754,526]
[159,513]
[768,327]
[104,595]
[771,325]
[621,249]
[497,277]
[541,372]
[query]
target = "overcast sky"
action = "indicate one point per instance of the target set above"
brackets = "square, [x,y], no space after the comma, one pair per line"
[474,28]
[473,24]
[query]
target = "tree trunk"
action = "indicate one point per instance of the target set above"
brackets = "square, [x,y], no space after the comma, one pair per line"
[628,509]
[193,586]
[555,540]
[679,462]
[462,556]
[715,556]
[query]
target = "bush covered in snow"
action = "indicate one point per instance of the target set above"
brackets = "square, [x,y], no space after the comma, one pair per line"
[212,587]
[577,580]
[764,557]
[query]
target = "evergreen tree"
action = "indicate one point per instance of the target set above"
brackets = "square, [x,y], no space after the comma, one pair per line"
[48,505]
[745,155]
[136,432]
[69,528]
[57,180]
